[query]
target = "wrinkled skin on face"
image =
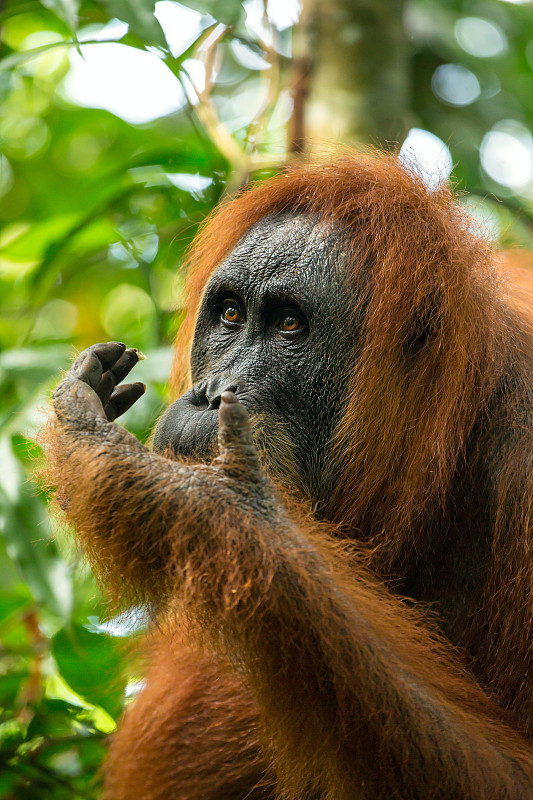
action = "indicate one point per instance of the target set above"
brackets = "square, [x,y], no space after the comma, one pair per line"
[274,328]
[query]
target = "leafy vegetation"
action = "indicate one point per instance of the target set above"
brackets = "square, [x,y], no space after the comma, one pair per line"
[96,211]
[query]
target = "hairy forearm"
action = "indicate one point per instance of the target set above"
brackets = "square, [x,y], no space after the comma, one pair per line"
[405,720]
[146,522]
[298,624]
[94,464]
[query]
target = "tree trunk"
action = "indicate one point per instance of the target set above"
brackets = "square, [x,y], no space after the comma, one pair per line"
[351,80]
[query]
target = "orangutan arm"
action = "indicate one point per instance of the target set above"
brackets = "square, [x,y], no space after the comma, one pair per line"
[357,696]
[191,734]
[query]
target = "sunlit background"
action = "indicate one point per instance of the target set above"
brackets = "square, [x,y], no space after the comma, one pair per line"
[122,124]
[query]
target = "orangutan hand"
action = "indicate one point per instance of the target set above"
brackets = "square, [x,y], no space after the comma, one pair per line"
[91,385]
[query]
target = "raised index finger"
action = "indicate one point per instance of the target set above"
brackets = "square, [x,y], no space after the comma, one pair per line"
[237,453]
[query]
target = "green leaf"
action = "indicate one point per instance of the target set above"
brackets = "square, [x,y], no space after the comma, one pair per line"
[33,365]
[229,12]
[53,718]
[10,683]
[33,243]
[67,10]
[12,602]
[21,56]
[92,666]
[25,527]
[8,781]
[20,8]
[12,733]
[139,14]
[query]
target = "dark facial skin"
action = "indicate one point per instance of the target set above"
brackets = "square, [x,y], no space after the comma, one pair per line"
[273,327]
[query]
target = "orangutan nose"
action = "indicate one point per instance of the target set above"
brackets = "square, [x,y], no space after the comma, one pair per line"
[217,385]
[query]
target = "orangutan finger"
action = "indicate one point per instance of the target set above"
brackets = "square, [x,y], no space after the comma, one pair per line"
[95,360]
[237,453]
[117,373]
[123,398]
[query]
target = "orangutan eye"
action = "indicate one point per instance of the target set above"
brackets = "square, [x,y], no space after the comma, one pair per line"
[231,313]
[291,322]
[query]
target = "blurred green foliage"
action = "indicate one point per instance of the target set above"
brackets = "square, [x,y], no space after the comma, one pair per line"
[95,215]
[92,230]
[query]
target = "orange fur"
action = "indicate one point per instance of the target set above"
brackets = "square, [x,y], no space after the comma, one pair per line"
[405,431]
[206,724]
[306,671]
